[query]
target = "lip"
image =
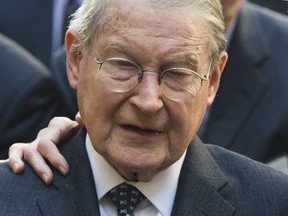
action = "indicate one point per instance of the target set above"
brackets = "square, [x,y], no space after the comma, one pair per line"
[141,130]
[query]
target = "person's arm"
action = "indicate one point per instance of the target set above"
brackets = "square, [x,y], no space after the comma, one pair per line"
[45,146]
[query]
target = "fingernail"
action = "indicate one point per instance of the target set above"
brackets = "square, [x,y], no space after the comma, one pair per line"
[16,167]
[62,170]
[45,178]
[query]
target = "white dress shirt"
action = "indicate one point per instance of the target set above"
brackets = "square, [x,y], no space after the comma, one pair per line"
[160,191]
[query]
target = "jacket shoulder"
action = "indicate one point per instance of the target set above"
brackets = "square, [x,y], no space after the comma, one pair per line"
[255,183]
[19,193]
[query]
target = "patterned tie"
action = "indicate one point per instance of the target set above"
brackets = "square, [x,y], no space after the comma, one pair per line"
[125,197]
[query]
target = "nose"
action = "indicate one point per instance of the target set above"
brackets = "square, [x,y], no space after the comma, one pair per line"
[148,94]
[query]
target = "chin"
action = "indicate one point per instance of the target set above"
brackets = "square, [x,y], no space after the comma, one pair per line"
[139,166]
[143,174]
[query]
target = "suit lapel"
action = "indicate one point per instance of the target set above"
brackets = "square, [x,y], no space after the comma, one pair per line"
[241,84]
[76,194]
[201,185]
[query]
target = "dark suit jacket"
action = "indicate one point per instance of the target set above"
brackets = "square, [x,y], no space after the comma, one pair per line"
[250,112]
[29,97]
[29,23]
[213,182]
[277,5]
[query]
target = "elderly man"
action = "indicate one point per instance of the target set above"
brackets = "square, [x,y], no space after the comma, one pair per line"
[255,73]
[144,73]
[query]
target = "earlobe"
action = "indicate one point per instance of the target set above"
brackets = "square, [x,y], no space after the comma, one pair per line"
[214,80]
[73,58]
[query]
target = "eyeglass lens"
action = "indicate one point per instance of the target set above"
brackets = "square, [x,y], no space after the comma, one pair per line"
[177,84]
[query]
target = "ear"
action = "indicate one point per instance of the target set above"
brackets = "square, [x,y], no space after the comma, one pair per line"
[73,57]
[214,80]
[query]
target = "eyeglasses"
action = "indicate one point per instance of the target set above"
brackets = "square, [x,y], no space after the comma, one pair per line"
[177,84]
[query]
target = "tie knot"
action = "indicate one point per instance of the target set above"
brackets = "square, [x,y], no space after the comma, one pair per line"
[126,198]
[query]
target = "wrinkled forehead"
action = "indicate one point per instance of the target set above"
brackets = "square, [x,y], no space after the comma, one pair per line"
[143,13]
[166,29]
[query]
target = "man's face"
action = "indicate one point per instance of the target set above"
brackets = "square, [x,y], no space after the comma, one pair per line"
[142,132]
[231,8]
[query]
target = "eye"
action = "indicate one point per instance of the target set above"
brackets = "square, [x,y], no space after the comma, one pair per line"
[123,64]
[120,69]
[177,73]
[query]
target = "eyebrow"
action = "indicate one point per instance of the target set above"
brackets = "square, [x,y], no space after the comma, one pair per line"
[183,60]
[177,59]
[116,47]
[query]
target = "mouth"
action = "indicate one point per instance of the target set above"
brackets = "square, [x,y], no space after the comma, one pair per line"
[141,131]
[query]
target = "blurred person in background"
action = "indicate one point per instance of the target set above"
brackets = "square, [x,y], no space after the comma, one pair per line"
[38,26]
[249,114]
[29,96]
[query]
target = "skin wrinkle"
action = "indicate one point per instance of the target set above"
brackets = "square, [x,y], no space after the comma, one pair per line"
[189,60]
[112,124]
[180,61]
[130,29]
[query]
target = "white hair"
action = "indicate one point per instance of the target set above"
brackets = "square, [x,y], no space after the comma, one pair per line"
[89,19]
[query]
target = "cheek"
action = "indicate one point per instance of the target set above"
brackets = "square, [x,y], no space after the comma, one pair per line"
[96,105]
[183,123]
[187,119]
[88,93]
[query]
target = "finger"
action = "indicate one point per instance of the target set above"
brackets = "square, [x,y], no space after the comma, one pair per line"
[59,129]
[78,118]
[16,153]
[49,150]
[35,159]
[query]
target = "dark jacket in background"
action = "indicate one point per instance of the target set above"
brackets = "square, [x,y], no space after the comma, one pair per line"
[250,111]
[29,96]
[58,69]
[277,5]
[29,23]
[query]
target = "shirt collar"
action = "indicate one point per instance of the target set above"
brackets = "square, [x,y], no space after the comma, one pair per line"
[160,191]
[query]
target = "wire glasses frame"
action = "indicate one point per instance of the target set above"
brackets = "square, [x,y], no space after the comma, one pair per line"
[177,84]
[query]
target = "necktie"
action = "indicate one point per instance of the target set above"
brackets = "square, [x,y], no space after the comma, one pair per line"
[125,197]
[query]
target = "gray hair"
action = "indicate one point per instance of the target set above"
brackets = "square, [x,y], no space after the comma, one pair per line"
[89,19]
